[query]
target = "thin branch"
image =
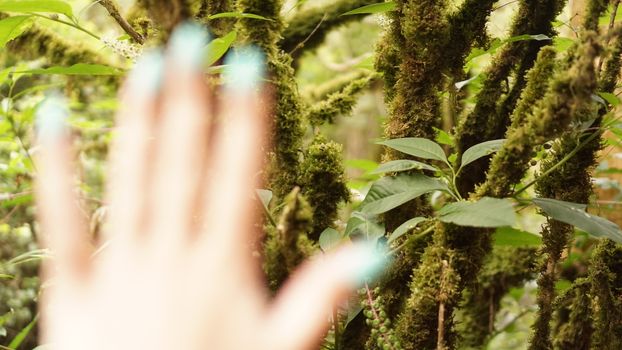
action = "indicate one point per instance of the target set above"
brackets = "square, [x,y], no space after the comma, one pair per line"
[114,12]
[302,44]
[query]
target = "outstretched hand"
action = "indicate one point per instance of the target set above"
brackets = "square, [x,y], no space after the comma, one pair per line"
[174,268]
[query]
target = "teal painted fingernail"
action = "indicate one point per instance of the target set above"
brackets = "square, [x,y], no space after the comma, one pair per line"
[245,68]
[146,77]
[371,262]
[188,44]
[51,118]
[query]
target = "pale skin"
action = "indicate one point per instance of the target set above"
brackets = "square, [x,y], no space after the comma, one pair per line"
[177,271]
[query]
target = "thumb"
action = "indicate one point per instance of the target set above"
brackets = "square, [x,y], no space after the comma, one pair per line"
[299,316]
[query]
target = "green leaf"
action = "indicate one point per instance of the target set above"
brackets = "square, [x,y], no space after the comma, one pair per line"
[238,15]
[418,147]
[368,63]
[405,227]
[562,44]
[21,336]
[562,285]
[77,69]
[4,74]
[12,27]
[329,239]
[487,212]
[575,214]
[217,48]
[266,197]
[612,99]
[51,6]
[402,165]
[443,138]
[481,150]
[373,8]
[507,236]
[361,224]
[391,192]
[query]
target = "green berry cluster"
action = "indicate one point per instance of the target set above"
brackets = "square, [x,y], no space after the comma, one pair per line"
[382,335]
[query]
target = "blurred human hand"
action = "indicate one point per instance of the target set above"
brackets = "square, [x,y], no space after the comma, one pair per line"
[176,271]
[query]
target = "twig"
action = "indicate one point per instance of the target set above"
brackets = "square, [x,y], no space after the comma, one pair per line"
[440,339]
[612,22]
[114,12]
[317,27]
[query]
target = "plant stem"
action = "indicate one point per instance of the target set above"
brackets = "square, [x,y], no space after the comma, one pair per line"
[419,235]
[569,156]
[74,25]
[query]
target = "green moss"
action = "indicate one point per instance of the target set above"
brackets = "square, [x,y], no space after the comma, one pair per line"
[505,268]
[508,166]
[288,127]
[415,107]
[467,27]
[338,103]
[566,99]
[307,29]
[606,277]
[324,183]
[490,117]
[208,8]
[265,34]
[576,329]
[287,245]
[571,182]
[38,42]
[611,73]
[595,9]
[288,120]
[435,281]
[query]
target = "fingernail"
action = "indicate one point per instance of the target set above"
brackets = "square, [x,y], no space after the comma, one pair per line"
[146,77]
[245,69]
[187,45]
[51,118]
[370,261]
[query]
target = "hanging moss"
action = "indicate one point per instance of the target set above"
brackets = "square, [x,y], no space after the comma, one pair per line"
[486,121]
[219,26]
[595,9]
[566,99]
[467,28]
[570,182]
[575,332]
[288,121]
[337,103]
[415,108]
[324,183]
[505,268]
[606,277]
[288,126]
[435,282]
[611,73]
[388,54]
[38,41]
[265,34]
[508,166]
[308,28]
[287,245]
